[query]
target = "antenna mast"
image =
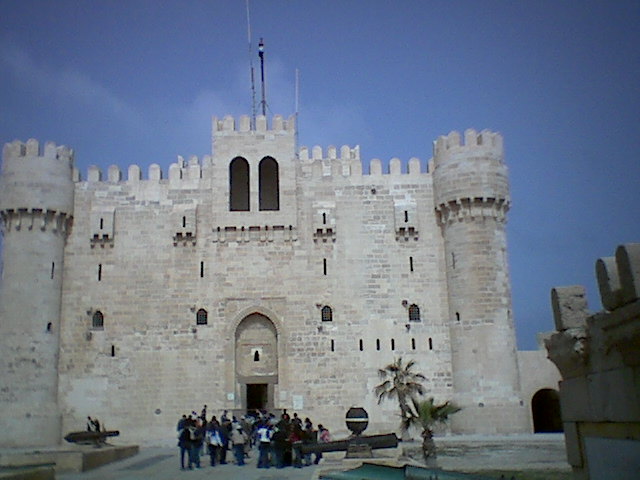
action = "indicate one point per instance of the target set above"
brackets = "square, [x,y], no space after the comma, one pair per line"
[263,103]
[253,81]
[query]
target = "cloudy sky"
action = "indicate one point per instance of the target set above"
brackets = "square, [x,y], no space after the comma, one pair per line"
[138,81]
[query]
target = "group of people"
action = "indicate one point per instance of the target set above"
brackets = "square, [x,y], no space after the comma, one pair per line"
[279,441]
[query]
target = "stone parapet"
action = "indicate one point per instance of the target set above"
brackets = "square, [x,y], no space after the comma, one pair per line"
[598,356]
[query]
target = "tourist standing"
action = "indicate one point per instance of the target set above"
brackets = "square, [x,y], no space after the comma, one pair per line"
[264,444]
[184,443]
[213,441]
[296,442]
[237,440]
[323,437]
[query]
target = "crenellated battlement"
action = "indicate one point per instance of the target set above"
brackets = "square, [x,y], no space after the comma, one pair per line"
[346,162]
[32,148]
[187,170]
[36,177]
[346,153]
[485,143]
[470,179]
[228,125]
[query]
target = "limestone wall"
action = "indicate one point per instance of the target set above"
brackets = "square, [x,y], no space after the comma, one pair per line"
[151,362]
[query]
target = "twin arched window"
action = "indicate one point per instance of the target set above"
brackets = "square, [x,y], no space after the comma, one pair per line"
[239,185]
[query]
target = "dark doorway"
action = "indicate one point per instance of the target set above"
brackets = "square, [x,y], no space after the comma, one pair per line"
[545,408]
[257,396]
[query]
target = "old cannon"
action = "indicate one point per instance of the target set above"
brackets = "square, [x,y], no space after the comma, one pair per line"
[95,438]
[357,445]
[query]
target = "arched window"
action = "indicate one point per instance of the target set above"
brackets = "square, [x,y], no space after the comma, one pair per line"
[269,184]
[97,321]
[327,314]
[239,185]
[414,313]
[201,317]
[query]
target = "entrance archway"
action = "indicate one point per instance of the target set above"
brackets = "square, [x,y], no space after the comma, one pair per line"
[256,359]
[545,409]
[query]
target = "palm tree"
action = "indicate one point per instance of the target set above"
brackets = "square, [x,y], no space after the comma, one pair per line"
[425,414]
[400,382]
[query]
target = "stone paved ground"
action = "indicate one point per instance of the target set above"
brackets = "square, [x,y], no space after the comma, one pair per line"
[522,452]
[163,463]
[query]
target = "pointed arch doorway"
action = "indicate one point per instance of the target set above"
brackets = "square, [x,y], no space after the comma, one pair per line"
[256,359]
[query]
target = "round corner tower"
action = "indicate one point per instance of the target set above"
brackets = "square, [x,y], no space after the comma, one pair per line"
[36,211]
[471,193]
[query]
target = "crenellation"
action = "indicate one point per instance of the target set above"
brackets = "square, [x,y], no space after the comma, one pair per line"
[134,174]
[609,283]
[13,149]
[64,153]
[375,167]
[245,123]
[628,261]
[114,174]
[50,150]
[32,147]
[155,172]
[279,125]
[94,174]
[395,166]
[261,124]
[413,167]
[486,142]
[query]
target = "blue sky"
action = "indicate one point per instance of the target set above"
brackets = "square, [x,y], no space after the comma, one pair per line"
[137,82]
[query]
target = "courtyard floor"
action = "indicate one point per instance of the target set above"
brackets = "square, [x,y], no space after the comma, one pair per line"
[522,453]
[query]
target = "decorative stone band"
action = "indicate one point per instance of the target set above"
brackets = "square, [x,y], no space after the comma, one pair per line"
[35,218]
[467,209]
[262,233]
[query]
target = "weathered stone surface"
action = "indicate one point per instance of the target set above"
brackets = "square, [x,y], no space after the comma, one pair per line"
[628,260]
[600,366]
[570,308]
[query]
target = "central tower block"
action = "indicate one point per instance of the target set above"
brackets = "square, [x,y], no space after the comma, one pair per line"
[36,211]
[472,199]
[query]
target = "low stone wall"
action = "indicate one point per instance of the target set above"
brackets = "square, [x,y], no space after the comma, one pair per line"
[69,459]
[513,452]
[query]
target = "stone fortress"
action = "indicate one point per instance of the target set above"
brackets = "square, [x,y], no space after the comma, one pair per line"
[262,276]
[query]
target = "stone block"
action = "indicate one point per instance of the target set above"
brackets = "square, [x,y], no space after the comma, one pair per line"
[569,305]
[609,283]
[574,400]
[628,260]
[614,396]
[572,442]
